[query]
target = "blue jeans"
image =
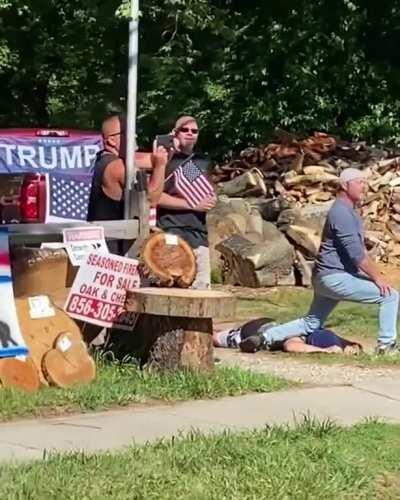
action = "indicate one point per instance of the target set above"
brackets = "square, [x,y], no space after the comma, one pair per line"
[329,290]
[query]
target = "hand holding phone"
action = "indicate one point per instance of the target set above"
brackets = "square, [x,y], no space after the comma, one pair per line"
[166,141]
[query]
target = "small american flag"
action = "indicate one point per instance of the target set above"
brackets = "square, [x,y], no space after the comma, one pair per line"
[192,184]
[68,197]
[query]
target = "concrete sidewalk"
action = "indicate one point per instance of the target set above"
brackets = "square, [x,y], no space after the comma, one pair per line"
[31,439]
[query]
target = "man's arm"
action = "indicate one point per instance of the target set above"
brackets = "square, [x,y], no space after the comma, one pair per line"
[173,202]
[159,161]
[177,203]
[114,179]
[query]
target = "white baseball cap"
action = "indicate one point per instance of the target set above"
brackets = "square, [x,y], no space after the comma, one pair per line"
[351,174]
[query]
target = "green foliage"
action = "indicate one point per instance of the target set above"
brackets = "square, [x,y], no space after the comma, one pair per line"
[243,67]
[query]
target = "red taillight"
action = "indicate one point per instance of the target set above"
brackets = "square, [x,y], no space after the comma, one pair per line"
[32,195]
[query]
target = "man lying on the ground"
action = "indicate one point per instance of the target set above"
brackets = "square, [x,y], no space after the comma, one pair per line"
[322,340]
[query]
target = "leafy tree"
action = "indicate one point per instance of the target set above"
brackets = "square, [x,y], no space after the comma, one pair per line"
[244,67]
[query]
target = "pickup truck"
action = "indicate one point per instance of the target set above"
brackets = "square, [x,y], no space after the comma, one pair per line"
[30,157]
[45,174]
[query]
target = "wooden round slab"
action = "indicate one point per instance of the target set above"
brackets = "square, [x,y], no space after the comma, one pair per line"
[167,260]
[41,334]
[73,337]
[19,374]
[183,303]
[61,372]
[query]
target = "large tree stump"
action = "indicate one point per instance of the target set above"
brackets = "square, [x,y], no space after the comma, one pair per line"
[167,261]
[174,328]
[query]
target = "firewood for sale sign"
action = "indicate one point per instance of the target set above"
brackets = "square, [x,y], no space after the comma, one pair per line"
[99,291]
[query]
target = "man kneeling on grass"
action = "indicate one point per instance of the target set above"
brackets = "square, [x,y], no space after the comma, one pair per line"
[342,271]
[322,341]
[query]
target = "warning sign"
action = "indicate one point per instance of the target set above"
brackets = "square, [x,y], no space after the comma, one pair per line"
[99,291]
[82,240]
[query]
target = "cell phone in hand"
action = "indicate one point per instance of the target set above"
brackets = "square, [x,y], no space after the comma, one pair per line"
[167,141]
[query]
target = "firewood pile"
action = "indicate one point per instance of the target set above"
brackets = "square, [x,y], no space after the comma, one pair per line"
[297,173]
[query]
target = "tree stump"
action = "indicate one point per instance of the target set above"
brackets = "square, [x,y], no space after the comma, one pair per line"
[167,261]
[19,374]
[174,328]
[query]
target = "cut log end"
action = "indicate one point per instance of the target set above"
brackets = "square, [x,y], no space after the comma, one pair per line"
[15,373]
[68,363]
[168,261]
[61,372]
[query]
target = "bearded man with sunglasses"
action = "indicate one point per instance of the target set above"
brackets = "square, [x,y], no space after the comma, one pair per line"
[175,214]
[106,197]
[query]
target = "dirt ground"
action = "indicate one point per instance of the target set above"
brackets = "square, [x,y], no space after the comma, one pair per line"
[309,373]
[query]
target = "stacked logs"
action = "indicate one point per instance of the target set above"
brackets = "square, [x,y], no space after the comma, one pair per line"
[298,172]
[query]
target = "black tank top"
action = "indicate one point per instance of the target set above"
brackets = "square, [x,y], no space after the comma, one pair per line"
[101,207]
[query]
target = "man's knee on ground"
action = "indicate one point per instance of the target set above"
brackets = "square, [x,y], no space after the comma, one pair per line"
[311,323]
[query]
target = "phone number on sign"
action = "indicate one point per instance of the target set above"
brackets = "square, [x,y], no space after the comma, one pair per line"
[93,308]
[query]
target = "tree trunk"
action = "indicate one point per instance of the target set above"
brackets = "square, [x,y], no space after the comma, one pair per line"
[174,327]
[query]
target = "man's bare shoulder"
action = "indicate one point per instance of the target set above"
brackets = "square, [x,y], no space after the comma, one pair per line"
[115,171]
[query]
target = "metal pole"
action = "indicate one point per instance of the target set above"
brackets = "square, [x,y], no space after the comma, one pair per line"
[130,168]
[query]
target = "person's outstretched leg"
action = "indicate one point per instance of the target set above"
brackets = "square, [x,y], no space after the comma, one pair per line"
[344,286]
[320,309]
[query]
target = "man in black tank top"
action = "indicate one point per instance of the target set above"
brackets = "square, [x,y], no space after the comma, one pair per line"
[106,198]
[174,214]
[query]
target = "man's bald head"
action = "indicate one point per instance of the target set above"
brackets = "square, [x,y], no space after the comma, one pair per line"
[113,131]
[113,125]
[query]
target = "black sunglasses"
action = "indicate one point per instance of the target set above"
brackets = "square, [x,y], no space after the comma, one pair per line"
[116,133]
[187,129]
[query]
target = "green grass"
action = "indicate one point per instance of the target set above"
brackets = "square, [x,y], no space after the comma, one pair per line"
[312,461]
[363,360]
[125,384]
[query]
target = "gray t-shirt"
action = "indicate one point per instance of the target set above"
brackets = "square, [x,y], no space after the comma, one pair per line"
[342,247]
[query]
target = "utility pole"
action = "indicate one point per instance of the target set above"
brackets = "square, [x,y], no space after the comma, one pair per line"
[135,191]
[131,170]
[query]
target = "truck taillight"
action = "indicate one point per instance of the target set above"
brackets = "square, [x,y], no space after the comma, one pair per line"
[32,198]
